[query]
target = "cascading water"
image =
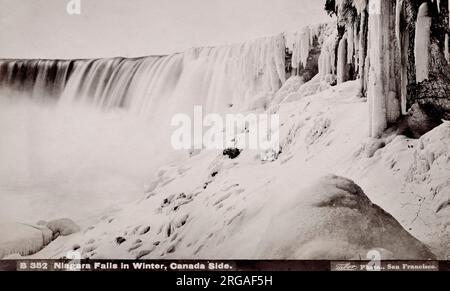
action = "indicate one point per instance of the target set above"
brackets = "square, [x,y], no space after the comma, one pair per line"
[89,133]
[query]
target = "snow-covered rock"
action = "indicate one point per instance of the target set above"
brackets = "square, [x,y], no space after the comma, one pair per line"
[23,239]
[412,181]
[63,226]
[335,220]
[295,89]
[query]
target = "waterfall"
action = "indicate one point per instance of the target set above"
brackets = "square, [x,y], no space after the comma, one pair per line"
[216,78]
[93,132]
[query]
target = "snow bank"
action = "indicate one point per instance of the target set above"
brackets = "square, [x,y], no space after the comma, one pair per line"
[412,183]
[334,220]
[295,89]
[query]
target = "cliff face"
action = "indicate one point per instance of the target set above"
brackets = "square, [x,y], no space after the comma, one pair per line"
[399,51]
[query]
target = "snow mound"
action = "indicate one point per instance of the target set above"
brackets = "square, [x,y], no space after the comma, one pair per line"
[295,89]
[433,150]
[63,226]
[291,86]
[18,238]
[430,168]
[334,219]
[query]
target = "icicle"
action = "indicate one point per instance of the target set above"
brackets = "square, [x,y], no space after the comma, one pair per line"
[378,44]
[356,46]
[342,61]
[302,45]
[403,43]
[360,5]
[438,3]
[339,4]
[447,53]
[422,43]
[327,54]
[398,19]
[350,44]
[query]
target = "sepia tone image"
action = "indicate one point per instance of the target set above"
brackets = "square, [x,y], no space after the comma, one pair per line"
[218,130]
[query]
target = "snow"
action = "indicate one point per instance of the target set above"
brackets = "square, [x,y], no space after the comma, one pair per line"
[334,219]
[421,169]
[213,207]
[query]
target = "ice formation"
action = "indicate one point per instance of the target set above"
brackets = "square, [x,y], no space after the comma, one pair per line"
[17,238]
[422,43]
[403,41]
[301,46]
[328,56]
[26,239]
[302,41]
[342,61]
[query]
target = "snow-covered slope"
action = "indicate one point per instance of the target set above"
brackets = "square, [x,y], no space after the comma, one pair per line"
[211,206]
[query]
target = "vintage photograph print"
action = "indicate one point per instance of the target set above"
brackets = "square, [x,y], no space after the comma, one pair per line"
[227,136]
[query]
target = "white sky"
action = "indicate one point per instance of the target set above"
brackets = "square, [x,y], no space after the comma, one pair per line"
[106,28]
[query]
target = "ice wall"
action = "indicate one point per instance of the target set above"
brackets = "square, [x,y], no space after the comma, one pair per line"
[399,50]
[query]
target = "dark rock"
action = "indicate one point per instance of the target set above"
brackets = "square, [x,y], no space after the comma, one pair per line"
[232,153]
[145,230]
[120,240]
[418,122]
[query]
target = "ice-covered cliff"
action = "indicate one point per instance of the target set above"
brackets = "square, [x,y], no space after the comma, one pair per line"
[398,50]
